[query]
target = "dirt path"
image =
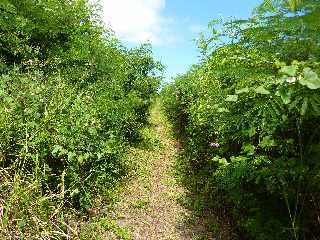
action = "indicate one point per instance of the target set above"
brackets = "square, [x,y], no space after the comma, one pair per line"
[149,208]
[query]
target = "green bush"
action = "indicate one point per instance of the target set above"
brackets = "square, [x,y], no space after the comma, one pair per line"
[249,115]
[72,100]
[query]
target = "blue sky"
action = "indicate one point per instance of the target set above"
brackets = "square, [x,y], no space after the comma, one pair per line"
[170,25]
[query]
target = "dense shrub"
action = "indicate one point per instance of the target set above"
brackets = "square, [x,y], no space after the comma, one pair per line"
[249,114]
[72,100]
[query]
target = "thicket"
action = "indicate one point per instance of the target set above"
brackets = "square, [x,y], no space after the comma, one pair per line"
[249,114]
[72,100]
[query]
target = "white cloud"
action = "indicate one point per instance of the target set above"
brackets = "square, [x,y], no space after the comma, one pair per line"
[136,21]
[197,28]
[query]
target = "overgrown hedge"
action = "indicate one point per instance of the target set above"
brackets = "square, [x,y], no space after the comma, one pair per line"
[249,114]
[72,100]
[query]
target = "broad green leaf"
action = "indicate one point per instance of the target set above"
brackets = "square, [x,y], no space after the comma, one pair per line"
[267,142]
[252,131]
[249,149]
[249,132]
[289,70]
[58,151]
[279,64]
[261,90]
[304,106]
[284,117]
[221,161]
[221,110]
[71,156]
[285,96]
[238,159]
[232,98]
[8,99]
[310,79]
[243,90]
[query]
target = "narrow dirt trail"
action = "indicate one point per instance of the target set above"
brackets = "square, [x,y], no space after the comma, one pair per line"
[149,208]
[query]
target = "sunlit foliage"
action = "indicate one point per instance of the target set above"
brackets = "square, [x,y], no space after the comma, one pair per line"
[72,100]
[249,114]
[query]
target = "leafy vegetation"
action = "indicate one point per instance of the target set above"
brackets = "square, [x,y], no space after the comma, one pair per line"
[72,100]
[249,116]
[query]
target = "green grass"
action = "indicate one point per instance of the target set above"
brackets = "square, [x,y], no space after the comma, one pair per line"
[98,229]
[140,203]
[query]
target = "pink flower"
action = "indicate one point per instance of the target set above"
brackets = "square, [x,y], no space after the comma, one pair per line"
[214,145]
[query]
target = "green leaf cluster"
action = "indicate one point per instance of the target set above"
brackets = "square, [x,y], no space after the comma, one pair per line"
[72,102]
[253,105]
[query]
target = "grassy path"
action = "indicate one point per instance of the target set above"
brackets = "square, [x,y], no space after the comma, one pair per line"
[148,206]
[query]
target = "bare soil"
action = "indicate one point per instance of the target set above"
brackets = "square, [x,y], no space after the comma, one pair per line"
[149,206]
